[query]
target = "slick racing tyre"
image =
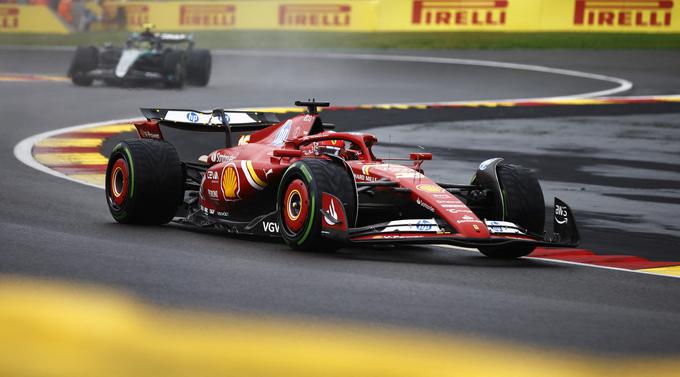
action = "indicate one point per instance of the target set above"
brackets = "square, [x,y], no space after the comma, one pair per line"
[199,63]
[299,202]
[85,59]
[174,69]
[144,182]
[523,205]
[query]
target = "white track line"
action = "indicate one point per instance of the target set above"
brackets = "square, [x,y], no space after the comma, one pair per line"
[622,85]
[467,249]
[23,150]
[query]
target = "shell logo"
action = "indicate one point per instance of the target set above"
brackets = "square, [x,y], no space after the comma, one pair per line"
[430,188]
[230,182]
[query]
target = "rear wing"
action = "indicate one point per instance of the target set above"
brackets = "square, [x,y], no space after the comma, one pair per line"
[214,121]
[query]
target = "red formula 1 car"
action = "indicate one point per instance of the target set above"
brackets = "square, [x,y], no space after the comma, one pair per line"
[319,189]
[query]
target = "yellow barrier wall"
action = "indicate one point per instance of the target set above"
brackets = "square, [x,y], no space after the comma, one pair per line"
[347,15]
[29,19]
[530,15]
[656,16]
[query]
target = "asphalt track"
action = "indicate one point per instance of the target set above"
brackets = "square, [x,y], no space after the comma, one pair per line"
[57,229]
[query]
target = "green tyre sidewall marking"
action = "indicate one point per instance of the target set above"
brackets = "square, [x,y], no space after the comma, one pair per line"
[312,206]
[132,173]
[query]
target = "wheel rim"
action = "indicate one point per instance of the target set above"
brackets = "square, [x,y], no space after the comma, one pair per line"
[119,182]
[296,206]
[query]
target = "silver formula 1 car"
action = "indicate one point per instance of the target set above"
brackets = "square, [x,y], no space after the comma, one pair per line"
[170,59]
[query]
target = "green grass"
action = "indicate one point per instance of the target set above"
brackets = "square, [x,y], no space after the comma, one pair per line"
[424,41]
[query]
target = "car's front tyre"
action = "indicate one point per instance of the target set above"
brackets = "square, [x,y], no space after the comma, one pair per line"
[174,69]
[85,59]
[523,204]
[299,202]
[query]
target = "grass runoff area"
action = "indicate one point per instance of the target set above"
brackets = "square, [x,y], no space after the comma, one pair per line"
[375,40]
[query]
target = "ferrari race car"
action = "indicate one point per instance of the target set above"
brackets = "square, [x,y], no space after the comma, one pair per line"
[320,189]
[146,57]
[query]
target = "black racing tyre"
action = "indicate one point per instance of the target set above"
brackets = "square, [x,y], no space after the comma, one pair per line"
[523,204]
[174,69]
[199,65]
[144,182]
[85,59]
[299,202]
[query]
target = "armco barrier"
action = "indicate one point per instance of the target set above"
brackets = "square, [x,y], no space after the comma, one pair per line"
[29,19]
[646,16]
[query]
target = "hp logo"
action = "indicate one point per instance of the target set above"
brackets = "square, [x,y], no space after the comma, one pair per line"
[192,117]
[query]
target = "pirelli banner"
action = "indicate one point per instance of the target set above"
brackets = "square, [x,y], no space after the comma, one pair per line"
[348,15]
[531,15]
[29,19]
[654,16]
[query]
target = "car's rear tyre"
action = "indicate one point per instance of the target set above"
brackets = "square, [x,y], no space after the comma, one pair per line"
[299,202]
[174,69]
[523,204]
[85,59]
[199,65]
[144,182]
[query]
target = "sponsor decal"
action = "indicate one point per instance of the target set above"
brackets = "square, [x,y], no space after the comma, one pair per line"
[331,217]
[504,230]
[231,185]
[411,175]
[444,196]
[637,13]
[424,225]
[429,188]
[458,210]
[475,227]
[213,194]
[459,12]
[425,205]
[561,214]
[244,139]
[251,175]
[270,226]
[9,18]
[150,135]
[212,175]
[282,134]
[207,15]
[319,15]
[395,236]
[419,225]
[451,205]
[222,214]
[192,117]
[365,178]
[219,157]
[468,219]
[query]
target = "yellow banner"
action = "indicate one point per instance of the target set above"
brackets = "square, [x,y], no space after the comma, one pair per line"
[320,15]
[641,16]
[458,15]
[29,19]
[530,15]
[654,16]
